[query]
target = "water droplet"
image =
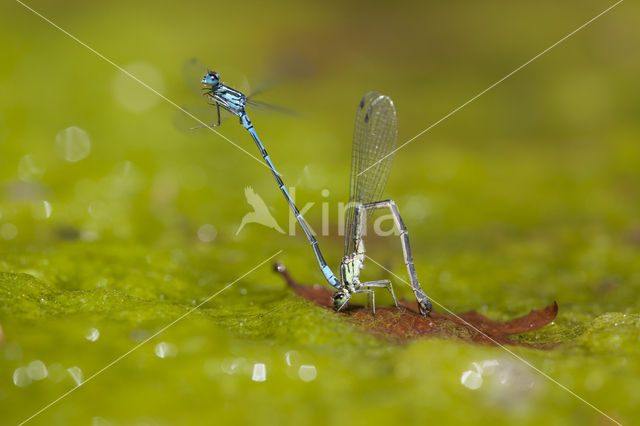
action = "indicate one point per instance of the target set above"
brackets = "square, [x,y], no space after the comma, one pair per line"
[139,335]
[233,365]
[89,236]
[207,233]
[166,350]
[99,210]
[489,366]
[41,210]
[100,421]
[259,372]
[73,144]
[132,95]
[28,170]
[92,334]
[21,377]
[471,379]
[76,375]
[8,231]
[37,370]
[57,372]
[292,358]
[516,378]
[307,373]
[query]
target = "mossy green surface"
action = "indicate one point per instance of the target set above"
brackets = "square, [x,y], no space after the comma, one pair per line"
[529,194]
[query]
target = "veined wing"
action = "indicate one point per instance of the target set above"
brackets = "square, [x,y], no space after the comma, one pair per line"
[265,107]
[192,72]
[374,137]
[285,67]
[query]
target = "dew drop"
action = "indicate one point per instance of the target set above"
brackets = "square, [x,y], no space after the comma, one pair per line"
[207,233]
[259,372]
[37,370]
[489,366]
[28,170]
[232,365]
[21,377]
[100,421]
[307,373]
[292,358]
[76,375]
[57,372]
[166,350]
[73,144]
[41,210]
[471,379]
[92,334]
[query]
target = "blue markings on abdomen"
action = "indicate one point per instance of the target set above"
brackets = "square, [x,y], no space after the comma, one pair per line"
[326,271]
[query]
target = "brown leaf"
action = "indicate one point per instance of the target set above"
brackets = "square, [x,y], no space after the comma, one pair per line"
[404,324]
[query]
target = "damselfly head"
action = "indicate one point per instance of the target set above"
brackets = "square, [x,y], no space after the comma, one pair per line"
[340,299]
[211,78]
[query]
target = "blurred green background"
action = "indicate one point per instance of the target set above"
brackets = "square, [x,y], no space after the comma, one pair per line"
[115,228]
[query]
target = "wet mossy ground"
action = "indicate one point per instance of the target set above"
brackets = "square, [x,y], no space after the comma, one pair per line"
[529,194]
[201,368]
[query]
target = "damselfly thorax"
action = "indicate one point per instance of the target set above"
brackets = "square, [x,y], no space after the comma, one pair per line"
[350,268]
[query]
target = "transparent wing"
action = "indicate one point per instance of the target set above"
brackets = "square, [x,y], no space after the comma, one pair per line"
[374,137]
[265,107]
[285,67]
[192,72]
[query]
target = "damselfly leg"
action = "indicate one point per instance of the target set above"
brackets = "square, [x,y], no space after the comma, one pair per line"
[424,304]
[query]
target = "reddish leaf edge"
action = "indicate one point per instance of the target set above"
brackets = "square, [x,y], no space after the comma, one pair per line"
[404,324]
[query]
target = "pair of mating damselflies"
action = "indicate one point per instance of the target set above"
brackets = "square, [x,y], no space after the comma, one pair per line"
[375,137]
